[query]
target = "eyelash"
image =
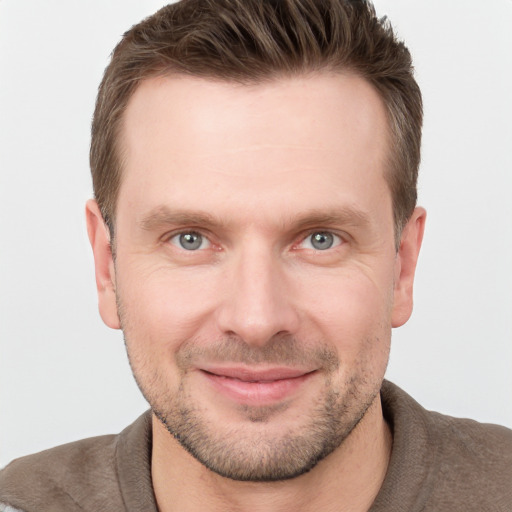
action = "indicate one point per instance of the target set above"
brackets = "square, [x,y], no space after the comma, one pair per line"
[337,240]
[193,232]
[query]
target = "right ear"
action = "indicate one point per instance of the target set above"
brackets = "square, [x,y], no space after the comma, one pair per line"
[99,237]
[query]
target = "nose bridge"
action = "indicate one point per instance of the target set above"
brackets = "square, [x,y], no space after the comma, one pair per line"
[257,304]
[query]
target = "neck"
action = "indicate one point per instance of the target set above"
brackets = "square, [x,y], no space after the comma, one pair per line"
[347,479]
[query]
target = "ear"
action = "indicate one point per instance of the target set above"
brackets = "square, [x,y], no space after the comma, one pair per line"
[104,264]
[405,267]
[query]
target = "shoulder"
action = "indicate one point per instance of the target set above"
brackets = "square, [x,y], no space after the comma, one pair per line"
[473,457]
[60,478]
[472,439]
[449,462]
[456,439]
[111,473]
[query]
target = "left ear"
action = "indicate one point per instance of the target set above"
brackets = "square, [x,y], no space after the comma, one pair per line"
[405,267]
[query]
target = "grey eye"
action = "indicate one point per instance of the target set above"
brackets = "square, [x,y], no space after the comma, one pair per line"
[189,241]
[322,241]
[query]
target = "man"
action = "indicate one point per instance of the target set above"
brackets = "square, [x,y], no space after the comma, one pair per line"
[255,235]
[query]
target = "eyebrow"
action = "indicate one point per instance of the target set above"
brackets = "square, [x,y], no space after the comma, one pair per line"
[163,216]
[345,215]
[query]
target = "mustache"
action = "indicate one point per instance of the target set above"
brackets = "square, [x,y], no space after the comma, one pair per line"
[279,350]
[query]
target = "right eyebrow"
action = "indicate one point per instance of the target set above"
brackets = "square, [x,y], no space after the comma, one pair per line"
[163,216]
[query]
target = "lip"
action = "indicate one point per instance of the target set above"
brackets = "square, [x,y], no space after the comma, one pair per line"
[256,386]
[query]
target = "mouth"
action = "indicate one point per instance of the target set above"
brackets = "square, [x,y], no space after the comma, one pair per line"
[257,387]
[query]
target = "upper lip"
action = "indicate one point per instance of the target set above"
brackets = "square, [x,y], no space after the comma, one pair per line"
[248,374]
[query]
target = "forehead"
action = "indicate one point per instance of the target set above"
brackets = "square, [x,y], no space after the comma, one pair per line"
[334,101]
[307,136]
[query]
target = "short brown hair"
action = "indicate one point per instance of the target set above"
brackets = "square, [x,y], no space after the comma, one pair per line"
[249,41]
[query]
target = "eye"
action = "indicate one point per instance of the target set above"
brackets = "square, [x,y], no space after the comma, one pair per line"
[190,241]
[321,241]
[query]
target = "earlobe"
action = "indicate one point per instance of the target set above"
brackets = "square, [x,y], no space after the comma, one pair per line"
[104,264]
[405,267]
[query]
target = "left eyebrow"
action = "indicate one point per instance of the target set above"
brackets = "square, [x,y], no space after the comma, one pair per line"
[343,216]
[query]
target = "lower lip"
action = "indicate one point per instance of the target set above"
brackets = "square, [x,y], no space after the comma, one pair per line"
[257,393]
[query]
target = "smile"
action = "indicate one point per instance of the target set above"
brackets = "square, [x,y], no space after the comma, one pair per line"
[257,387]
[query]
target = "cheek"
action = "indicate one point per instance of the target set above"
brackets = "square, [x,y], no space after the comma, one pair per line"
[158,314]
[350,308]
[164,307]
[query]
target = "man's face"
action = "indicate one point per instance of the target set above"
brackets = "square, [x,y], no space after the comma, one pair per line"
[256,275]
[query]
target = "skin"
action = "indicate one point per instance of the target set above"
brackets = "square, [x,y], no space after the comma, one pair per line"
[256,170]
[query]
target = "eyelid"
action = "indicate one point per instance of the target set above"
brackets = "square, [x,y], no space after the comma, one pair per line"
[339,239]
[169,237]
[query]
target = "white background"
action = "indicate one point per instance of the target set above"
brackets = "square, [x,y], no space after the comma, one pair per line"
[64,376]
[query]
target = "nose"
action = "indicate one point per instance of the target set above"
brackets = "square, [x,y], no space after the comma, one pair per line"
[258,298]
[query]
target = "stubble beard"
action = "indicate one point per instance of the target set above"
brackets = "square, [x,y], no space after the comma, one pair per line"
[261,456]
[253,451]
